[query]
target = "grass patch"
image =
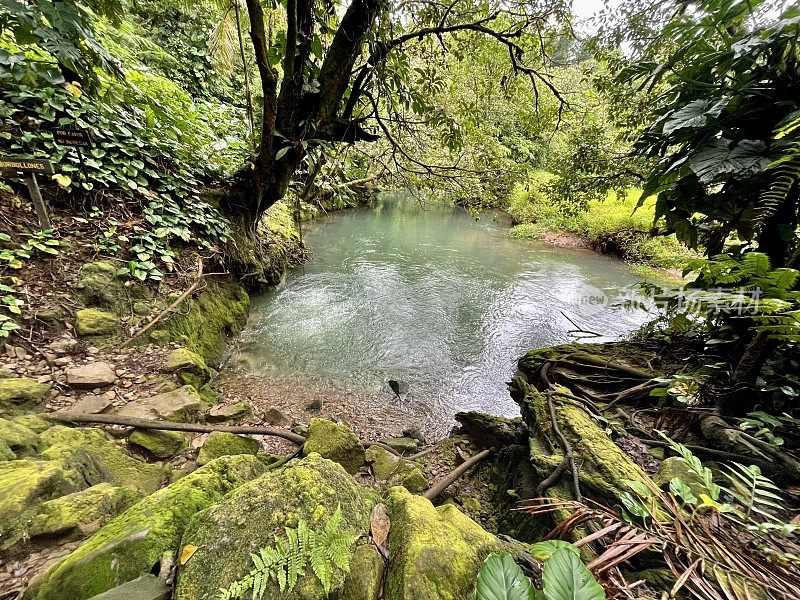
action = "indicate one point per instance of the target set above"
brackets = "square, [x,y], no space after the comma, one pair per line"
[611,226]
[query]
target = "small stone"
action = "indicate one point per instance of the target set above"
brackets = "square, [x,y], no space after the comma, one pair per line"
[190,367]
[91,404]
[222,443]
[403,445]
[275,417]
[225,412]
[315,405]
[63,361]
[182,404]
[159,443]
[63,346]
[141,308]
[93,375]
[471,505]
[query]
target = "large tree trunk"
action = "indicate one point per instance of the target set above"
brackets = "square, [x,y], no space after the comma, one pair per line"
[295,116]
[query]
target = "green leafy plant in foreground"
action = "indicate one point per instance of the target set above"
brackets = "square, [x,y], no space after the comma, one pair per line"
[325,552]
[564,576]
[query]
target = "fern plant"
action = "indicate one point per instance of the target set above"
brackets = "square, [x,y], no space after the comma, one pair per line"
[325,552]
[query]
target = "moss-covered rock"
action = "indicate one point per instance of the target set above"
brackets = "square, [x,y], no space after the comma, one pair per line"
[92,507]
[436,552]
[130,545]
[98,286]
[189,366]
[90,322]
[94,454]
[382,462]
[250,517]
[413,479]
[403,445]
[19,439]
[5,452]
[222,443]
[24,485]
[204,322]
[366,573]
[675,466]
[35,423]
[159,443]
[21,391]
[335,442]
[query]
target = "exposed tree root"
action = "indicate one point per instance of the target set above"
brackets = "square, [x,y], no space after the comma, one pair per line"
[448,479]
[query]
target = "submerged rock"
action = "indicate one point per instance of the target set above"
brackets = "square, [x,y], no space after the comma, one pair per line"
[158,442]
[436,552]
[89,508]
[94,322]
[335,442]
[250,517]
[131,545]
[222,443]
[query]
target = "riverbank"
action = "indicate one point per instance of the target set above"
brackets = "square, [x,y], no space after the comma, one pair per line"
[616,226]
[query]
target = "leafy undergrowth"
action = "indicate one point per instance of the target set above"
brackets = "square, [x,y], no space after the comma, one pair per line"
[613,226]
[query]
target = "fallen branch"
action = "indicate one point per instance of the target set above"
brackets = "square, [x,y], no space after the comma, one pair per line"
[170,309]
[448,479]
[67,417]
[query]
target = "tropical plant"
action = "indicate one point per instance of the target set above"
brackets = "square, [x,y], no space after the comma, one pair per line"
[564,576]
[325,552]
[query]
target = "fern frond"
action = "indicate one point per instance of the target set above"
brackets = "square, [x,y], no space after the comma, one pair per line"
[754,491]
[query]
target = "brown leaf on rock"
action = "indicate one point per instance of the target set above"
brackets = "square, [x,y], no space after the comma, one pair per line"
[380,528]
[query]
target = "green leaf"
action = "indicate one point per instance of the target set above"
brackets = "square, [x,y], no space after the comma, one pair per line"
[565,577]
[544,550]
[500,578]
[718,158]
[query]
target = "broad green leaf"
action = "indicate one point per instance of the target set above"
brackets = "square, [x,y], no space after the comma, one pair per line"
[500,578]
[565,577]
[544,550]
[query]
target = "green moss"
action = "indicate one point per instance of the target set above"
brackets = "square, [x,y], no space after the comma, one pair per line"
[203,323]
[414,480]
[189,366]
[91,322]
[24,485]
[130,545]
[382,461]
[98,286]
[21,391]
[436,552]
[366,573]
[403,445]
[250,517]
[222,443]
[5,452]
[93,506]
[19,439]
[335,442]
[35,423]
[159,443]
[94,454]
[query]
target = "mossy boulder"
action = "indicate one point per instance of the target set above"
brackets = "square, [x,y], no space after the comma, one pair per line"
[20,392]
[20,440]
[5,452]
[35,423]
[99,286]
[93,322]
[403,445]
[413,478]
[160,443]
[94,454]
[335,442]
[436,551]
[24,485]
[222,443]
[382,462]
[189,366]
[253,515]
[89,508]
[204,322]
[675,466]
[366,573]
[134,542]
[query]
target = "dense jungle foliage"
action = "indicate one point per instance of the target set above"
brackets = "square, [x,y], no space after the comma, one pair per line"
[665,133]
